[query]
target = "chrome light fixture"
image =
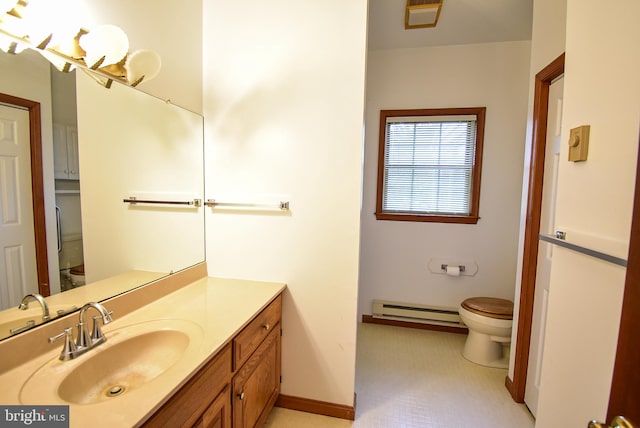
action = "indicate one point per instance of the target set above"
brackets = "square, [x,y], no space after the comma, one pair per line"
[103,51]
[422,13]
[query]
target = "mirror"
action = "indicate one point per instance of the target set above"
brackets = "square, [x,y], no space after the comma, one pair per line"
[129,144]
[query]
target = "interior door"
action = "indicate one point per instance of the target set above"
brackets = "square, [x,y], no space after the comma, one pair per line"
[545,250]
[18,272]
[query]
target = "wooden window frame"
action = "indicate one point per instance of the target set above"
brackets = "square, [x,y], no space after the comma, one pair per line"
[473,217]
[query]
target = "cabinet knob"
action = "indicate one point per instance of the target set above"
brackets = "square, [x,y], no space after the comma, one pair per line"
[266,327]
[241,396]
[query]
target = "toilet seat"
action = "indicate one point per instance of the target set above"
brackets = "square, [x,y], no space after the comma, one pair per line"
[490,307]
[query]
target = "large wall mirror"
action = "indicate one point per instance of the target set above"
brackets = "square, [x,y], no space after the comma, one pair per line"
[99,147]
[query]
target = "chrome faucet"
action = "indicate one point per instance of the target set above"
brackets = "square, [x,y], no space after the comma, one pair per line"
[38,298]
[84,340]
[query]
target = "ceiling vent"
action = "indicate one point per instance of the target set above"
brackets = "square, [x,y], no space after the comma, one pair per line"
[422,13]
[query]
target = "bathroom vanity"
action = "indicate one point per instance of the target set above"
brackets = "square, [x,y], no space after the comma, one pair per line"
[213,346]
[240,383]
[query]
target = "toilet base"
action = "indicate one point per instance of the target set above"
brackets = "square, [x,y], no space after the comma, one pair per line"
[483,350]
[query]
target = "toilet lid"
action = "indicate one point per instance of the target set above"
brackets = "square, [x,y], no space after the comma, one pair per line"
[490,307]
[78,270]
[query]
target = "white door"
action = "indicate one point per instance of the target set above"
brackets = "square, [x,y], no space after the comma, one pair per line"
[545,250]
[18,273]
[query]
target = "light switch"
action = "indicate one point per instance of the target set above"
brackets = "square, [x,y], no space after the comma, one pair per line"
[579,143]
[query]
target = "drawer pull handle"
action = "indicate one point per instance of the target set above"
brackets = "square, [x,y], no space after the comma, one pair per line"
[241,396]
[266,327]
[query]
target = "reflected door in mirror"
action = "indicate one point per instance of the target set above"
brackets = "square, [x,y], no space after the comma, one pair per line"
[18,259]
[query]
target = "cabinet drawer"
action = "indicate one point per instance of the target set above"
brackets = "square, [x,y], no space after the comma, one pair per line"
[187,405]
[253,334]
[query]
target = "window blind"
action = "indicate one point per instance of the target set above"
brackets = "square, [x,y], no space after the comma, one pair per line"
[428,164]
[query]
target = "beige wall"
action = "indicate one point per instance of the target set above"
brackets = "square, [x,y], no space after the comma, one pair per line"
[594,207]
[395,255]
[284,101]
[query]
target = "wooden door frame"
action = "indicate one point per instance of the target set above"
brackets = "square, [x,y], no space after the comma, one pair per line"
[543,79]
[625,384]
[37,187]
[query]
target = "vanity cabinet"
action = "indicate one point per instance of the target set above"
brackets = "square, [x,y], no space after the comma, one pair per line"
[66,165]
[203,400]
[238,387]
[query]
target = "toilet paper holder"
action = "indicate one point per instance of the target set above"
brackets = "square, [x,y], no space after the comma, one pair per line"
[464,266]
[444,267]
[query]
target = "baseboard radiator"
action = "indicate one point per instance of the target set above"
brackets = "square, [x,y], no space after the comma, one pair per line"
[411,312]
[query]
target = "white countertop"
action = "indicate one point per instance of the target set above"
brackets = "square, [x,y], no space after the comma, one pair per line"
[218,307]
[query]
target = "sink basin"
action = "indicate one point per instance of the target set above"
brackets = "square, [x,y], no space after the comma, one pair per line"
[132,357]
[124,366]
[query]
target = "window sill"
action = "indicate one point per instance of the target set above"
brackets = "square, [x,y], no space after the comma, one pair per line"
[460,219]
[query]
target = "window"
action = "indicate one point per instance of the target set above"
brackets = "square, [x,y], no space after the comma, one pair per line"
[429,165]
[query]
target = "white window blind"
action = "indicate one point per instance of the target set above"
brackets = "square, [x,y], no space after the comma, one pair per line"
[428,164]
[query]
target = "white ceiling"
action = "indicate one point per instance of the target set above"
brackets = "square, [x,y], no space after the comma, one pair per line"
[461,22]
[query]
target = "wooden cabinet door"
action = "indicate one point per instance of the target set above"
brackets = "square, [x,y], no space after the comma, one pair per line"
[66,163]
[257,385]
[60,161]
[73,161]
[218,414]
[195,398]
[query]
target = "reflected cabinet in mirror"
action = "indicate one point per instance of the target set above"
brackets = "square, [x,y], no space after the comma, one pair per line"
[71,153]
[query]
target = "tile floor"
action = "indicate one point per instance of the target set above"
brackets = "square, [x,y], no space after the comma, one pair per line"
[413,378]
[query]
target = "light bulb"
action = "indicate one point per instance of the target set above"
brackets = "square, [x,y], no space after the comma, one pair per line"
[106,41]
[67,27]
[142,63]
[36,22]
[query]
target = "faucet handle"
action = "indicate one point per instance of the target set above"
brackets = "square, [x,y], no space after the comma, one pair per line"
[96,332]
[67,332]
[69,347]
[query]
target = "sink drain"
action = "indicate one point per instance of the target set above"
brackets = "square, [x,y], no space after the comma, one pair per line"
[114,391]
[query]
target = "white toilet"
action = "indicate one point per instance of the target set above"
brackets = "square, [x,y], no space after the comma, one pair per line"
[77,276]
[489,321]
